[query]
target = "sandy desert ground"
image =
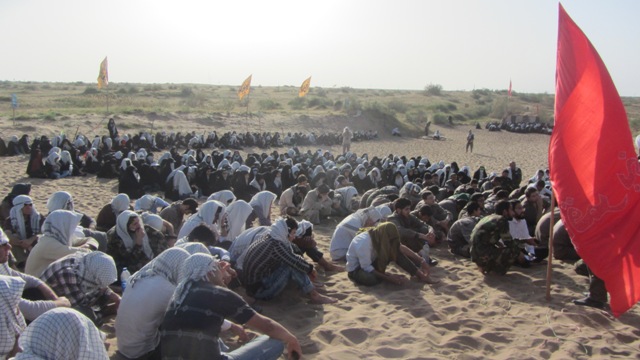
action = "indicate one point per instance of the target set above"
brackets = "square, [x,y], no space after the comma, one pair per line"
[466,316]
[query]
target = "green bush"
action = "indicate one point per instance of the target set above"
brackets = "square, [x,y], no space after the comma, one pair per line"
[268,104]
[90,90]
[298,103]
[398,106]
[440,119]
[433,89]
[186,91]
[418,117]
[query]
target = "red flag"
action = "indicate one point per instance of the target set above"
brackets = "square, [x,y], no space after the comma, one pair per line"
[509,87]
[594,170]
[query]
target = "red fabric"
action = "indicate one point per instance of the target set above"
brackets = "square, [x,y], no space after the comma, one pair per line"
[593,167]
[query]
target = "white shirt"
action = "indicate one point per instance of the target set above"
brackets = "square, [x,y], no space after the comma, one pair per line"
[140,314]
[518,229]
[361,253]
[342,236]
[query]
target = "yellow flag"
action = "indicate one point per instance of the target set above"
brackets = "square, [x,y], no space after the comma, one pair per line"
[245,88]
[304,88]
[103,76]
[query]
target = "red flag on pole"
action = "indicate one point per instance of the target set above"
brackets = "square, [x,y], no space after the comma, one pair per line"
[594,169]
[509,87]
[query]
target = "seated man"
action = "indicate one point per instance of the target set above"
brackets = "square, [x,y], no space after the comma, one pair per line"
[270,263]
[197,315]
[414,234]
[306,244]
[317,204]
[372,250]
[492,247]
[347,229]
[291,199]
[144,303]
[177,211]
[84,279]
[109,213]
[459,236]
[22,227]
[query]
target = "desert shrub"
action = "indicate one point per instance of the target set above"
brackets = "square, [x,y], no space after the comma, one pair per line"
[90,90]
[318,91]
[132,90]
[352,106]
[121,91]
[440,119]
[459,117]
[5,98]
[298,103]
[417,117]
[533,98]
[337,106]
[186,91]
[268,104]
[379,112]
[398,106]
[433,89]
[346,89]
[478,112]
[152,87]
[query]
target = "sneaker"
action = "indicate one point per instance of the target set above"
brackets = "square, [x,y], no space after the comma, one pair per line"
[433,262]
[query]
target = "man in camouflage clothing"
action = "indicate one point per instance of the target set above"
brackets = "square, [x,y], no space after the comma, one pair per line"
[492,247]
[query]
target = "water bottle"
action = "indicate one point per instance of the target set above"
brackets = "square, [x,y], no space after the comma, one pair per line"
[124,278]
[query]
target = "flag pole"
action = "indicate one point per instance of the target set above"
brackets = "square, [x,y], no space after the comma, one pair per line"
[550,256]
[107,100]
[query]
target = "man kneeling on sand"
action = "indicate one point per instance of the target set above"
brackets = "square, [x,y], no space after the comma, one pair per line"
[270,263]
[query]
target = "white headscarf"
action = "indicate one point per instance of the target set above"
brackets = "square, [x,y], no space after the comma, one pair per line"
[303,226]
[263,200]
[237,214]
[167,265]
[61,334]
[145,203]
[60,200]
[17,218]
[224,196]
[347,193]
[60,225]
[96,270]
[120,203]
[195,268]
[194,248]
[384,210]
[153,220]
[11,320]
[123,232]
[211,213]
[280,231]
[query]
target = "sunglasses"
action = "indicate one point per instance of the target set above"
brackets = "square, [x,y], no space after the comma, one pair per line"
[28,204]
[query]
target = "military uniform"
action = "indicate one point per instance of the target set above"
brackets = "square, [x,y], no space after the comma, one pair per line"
[492,247]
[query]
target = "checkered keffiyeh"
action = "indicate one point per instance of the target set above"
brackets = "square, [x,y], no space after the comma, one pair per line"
[194,248]
[60,225]
[62,333]
[11,320]
[167,265]
[17,218]
[195,268]
[97,270]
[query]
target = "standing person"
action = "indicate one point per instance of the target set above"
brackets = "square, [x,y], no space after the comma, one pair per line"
[347,135]
[113,130]
[470,137]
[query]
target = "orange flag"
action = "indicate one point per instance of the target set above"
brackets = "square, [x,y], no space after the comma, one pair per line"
[245,88]
[103,76]
[593,167]
[304,88]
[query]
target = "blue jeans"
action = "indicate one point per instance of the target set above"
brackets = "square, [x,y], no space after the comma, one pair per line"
[260,348]
[273,284]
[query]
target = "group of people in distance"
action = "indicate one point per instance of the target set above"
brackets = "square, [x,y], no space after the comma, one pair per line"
[215,231]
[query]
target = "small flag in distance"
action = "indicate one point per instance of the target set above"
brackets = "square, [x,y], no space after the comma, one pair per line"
[304,88]
[245,88]
[103,76]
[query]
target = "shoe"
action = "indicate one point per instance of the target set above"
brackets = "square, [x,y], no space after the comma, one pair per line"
[433,262]
[590,302]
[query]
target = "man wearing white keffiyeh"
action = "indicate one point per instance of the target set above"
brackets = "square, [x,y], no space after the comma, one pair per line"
[84,278]
[22,227]
[56,241]
[261,203]
[107,216]
[144,303]
[270,264]
[129,244]
[211,213]
[61,334]
[11,320]
[196,316]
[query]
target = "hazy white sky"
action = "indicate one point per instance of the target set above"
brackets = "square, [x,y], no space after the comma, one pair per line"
[399,44]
